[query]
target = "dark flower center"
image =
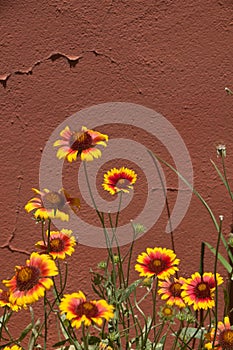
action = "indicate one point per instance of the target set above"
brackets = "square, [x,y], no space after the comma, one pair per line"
[54,200]
[80,141]
[175,289]
[226,339]
[56,245]
[202,290]
[123,184]
[157,266]
[27,277]
[87,309]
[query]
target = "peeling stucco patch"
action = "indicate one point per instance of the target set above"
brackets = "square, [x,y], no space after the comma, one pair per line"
[71,60]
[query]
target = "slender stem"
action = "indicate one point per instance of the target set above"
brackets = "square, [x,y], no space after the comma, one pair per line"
[49,230]
[45,321]
[85,337]
[167,204]
[215,275]
[225,176]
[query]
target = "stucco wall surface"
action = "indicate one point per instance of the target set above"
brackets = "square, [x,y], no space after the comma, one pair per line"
[59,57]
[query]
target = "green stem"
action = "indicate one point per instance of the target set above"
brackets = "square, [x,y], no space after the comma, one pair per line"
[215,275]
[167,204]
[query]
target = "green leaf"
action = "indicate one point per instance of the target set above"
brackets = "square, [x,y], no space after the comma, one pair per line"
[223,261]
[25,331]
[60,343]
[126,292]
[191,332]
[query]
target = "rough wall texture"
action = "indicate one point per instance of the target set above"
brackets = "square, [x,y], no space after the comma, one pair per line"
[58,57]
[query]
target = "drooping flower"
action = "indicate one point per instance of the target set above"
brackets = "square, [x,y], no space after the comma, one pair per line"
[119,180]
[80,143]
[51,204]
[31,280]
[198,290]
[223,338]
[61,243]
[5,300]
[14,347]
[160,262]
[221,150]
[171,291]
[78,310]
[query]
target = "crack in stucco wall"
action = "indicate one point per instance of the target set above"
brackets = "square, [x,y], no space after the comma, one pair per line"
[71,60]
[8,244]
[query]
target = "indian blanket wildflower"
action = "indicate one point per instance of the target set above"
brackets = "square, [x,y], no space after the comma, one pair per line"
[52,204]
[60,243]
[5,300]
[198,290]
[78,310]
[30,281]
[171,291]
[14,347]
[119,180]
[160,262]
[80,143]
[223,336]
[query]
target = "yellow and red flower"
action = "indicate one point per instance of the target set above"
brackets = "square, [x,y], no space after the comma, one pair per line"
[198,290]
[5,300]
[171,291]
[30,281]
[52,205]
[14,347]
[61,243]
[160,262]
[81,143]
[78,310]
[223,336]
[119,180]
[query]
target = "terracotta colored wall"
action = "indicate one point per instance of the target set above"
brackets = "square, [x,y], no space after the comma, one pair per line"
[58,57]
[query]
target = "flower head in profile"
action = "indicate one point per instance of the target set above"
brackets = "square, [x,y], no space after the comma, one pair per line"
[52,204]
[30,281]
[5,300]
[198,290]
[80,143]
[14,347]
[78,310]
[62,243]
[221,150]
[222,338]
[160,262]
[119,180]
[171,291]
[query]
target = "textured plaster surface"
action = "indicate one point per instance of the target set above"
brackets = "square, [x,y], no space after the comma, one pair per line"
[58,57]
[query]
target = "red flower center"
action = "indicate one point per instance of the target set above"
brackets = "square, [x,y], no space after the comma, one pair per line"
[175,289]
[87,309]
[226,339]
[157,266]
[202,290]
[27,277]
[56,245]
[54,200]
[80,141]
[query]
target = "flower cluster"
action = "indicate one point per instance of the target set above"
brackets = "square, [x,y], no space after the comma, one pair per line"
[113,314]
